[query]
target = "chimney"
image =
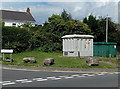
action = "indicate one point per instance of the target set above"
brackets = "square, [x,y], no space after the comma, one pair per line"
[28,10]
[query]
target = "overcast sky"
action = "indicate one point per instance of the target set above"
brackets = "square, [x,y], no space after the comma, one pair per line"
[41,10]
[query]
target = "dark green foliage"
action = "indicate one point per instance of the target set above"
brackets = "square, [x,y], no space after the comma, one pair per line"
[47,38]
[102,30]
[115,37]
[2,23]
[92,22]
[15,38]
[57,27]
[98,28]
[65,16]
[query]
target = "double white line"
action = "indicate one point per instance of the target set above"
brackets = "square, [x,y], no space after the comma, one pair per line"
[7,83]
[53,78]
[24,81]
[39,79]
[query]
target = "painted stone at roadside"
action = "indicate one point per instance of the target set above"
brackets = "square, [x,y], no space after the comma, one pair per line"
[29,60]
[91,61]
[7,59]
[48,61]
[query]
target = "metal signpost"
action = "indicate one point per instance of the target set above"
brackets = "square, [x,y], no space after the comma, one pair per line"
[9,51]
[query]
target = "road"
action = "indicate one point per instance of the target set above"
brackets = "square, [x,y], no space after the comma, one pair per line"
[20,78]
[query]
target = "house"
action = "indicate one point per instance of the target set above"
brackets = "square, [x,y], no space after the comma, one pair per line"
[16,18]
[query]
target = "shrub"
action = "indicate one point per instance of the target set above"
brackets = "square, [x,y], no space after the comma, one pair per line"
[15,38]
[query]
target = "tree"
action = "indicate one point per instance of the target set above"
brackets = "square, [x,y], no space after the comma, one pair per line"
[56,27]
[36,39]
[92,22]
[98,27]
[111,28]
[65,16]
[77,27]
[115,37]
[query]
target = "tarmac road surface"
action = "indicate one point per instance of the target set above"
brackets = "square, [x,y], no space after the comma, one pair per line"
[22,78]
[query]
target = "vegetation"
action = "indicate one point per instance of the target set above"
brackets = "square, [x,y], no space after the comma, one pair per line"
[15,38]
[47,38]
[98,29]
[43,41]
[1,23]
[115,60]
[60,61]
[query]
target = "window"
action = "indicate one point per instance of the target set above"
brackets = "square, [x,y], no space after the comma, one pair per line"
[14,24]
[71,52]
[65,53]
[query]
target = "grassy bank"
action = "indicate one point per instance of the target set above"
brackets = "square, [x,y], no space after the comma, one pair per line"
[111,60]
[60,61]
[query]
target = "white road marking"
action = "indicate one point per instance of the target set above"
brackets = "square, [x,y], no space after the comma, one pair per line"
[21,80]
[37,78]
[56,78]
[75,75]
[42,80]
[69,77]
[26,81]
[8,83]
[53,78]
[91,75]
[85,74]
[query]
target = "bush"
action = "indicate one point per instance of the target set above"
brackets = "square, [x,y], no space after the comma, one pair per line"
[15,38]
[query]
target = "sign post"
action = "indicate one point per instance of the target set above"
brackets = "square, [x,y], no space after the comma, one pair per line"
[3,51]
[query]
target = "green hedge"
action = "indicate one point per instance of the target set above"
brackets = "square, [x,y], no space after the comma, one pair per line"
[15,38]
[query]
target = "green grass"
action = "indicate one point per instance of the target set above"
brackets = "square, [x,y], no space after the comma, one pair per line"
[111,60]
[60,61]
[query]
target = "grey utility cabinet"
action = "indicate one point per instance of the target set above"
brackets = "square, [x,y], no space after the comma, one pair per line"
[77,45]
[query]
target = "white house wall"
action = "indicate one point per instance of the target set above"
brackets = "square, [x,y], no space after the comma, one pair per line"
[10,23]
[18,23]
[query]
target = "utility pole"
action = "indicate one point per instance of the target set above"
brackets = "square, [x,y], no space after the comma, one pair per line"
[107,28]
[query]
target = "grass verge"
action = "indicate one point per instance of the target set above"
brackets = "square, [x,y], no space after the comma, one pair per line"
[60,61]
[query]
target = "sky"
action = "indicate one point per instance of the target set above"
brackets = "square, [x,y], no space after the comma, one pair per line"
[79,9]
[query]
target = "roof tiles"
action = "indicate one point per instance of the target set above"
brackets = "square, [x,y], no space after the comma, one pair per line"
[16,15]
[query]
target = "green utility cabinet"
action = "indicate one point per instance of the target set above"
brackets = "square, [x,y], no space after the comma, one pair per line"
[104,49]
